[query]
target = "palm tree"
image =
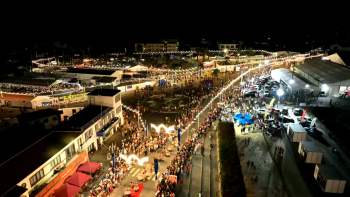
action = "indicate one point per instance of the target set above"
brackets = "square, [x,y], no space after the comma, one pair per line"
[88,48]
[121,58]
[250,52]
[200,66]
[204,52]
[241,42]
[226,62]
[197,50]
[215,72]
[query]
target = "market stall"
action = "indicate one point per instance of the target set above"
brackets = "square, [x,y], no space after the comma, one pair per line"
[78,179]
[66,190]
[87,166]
[296,133]
[329,179]
[309,152]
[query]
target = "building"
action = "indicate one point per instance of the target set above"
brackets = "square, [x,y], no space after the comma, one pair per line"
[49,118]
[227,45]
[331,77]
[56,155]
[91,76]
[157,47]
[337,47]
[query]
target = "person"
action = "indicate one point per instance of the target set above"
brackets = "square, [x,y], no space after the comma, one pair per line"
[181,183]
[248,163]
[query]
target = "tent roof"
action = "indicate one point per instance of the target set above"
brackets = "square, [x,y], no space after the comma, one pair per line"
[138,67]
[67,190]
[86,168]
[78,179]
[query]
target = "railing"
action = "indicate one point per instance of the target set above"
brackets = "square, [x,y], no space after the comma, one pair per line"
[108,126]
[96,118]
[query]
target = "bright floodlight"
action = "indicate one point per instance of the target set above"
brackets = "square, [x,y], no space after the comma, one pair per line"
[307,85]
[225,50]
[291,81]
[280,92]
[260,65]
[147,83]
[266,61]
[324,86]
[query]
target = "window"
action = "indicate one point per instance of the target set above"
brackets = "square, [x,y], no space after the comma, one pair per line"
[222,46]
[70,152]
[109,116]
[113,113]
[55,162]
[117,98]
[88,134]
[119,109]
[97,127]
[37,122]
[36,177]
[6,124]
[46,120]
[321,179]
[74,111]
[54,118]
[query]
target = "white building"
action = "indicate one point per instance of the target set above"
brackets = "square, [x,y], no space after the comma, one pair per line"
[157,47]
[228,46]
[92,76]
[41,168]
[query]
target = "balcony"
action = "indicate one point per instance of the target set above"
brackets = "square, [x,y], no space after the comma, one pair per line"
[58,176]
[107,127]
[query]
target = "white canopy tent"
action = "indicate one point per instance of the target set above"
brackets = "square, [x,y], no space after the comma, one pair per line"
[138,67]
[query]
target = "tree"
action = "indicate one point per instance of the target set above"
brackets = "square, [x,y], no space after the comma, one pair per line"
[204,52]
[88,48]
[200,66]
[121,58]
[197,50]
[241,42]
[139,48]
[226,62]
[250,52]
[215,72]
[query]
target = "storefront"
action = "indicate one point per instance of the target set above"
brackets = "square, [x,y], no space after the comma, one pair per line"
[309,152]
[109,129]
[329,179]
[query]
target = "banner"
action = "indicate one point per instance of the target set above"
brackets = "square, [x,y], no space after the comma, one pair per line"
[271,105]
[113,157]
[304,113]
[156,167]
[146,130]
[179,135]
[313,122]
[75,96]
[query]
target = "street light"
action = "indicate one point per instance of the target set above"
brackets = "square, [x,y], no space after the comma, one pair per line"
[279,93]
[291,82]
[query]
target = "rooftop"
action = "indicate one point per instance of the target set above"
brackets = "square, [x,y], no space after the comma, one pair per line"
[311,146]
[106,80]
[13,97]
[330,172]
[104,92]
[38,153]
[325,71]
[37,115]
[90,71]
[297,128]
[88,114]
[27,81]
[286,75]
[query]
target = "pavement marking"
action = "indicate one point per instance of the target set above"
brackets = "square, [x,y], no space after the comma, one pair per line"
[154,178]
[132,170]
[136,172]
[148,178]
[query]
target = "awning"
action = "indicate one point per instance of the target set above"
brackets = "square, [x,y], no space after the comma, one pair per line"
[78,179]
[101,134]
[67,190]
[86,167]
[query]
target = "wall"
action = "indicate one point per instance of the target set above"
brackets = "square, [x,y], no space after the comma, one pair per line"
[133,86]
[69,111]
[50,124]
[10,121]
[16,103]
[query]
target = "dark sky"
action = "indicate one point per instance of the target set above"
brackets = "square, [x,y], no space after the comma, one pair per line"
[118,25]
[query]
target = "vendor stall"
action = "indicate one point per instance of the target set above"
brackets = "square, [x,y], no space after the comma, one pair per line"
[329,179]
[309,152]
[296,133]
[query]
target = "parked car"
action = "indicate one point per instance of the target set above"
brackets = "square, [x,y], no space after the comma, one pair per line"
[250,93]
[312,131]
[274,110]
[287,119]
[267,93]
[298,111]
[285,111]
[306,124]
[262,111]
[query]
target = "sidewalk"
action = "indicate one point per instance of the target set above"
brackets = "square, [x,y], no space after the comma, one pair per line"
[268,175]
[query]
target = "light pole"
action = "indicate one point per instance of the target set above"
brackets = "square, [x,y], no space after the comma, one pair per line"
[279,93]
[291,82]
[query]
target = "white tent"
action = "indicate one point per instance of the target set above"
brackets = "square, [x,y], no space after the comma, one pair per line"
[138,67]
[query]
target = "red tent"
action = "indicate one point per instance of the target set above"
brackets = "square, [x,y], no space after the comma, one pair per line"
[86,168]
[78,179]
[66,190]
